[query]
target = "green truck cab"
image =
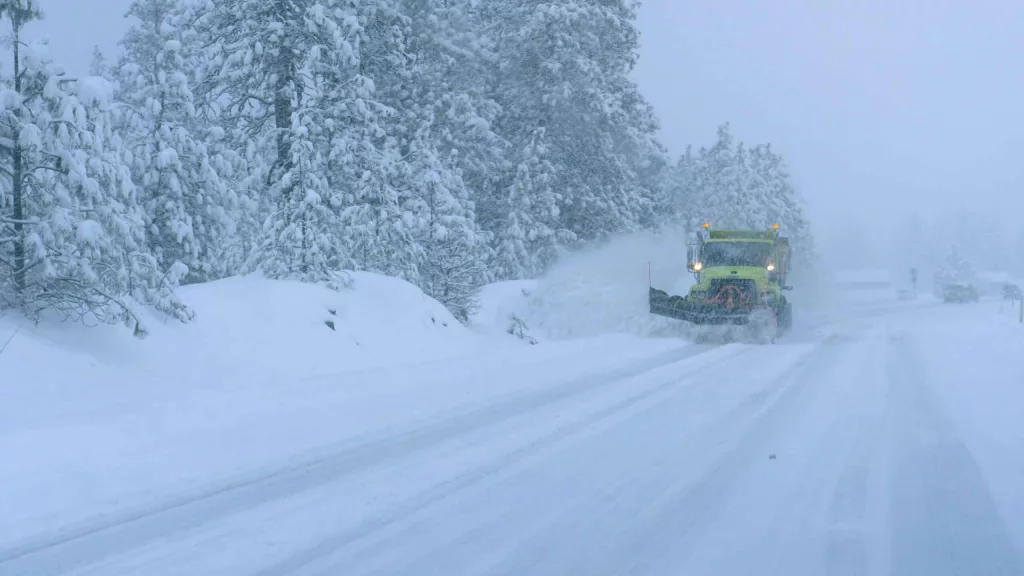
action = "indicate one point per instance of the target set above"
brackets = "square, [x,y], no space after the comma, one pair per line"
[741,276]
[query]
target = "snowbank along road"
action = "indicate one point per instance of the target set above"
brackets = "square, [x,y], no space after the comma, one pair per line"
[886,445]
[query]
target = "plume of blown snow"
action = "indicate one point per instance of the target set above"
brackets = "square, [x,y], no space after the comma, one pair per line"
[603,289]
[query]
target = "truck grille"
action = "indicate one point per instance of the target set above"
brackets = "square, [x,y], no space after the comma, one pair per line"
[747,288]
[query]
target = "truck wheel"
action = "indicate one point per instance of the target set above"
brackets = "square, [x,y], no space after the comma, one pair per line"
[785,316]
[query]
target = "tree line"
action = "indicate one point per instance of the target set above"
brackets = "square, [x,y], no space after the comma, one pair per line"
[450,143]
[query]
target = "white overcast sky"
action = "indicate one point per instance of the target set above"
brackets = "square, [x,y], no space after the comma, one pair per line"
[882,107]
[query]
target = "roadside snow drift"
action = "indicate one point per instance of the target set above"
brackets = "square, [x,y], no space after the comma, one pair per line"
[248,327]
[304,329]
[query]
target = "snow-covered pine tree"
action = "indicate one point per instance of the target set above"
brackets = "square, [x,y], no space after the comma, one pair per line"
[719,181]
[98,65]
[453,68]
[656,176]
[304,231]
[412,56]
[746,199]
[230,149]
[737,186]
[71,234]
[17,218]
[366,161]
[782,203]
[732,185]
[682,189]
[769,186]
[955,269]
[645,160]
[188,205]
[285,78]
[527,240]
[563,69]
[454,253]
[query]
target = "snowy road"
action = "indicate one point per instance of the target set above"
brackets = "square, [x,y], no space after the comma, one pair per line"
[863,448]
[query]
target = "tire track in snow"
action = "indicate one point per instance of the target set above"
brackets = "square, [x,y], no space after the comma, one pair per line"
[623,542]
[943,518]
[636,397]
[675,525]
[127,530]
[846,551]
[800,515]
[849,545]
[318,559]
[528,556]
[778,516]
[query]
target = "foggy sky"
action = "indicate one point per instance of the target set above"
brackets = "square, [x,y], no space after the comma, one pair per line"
[881,107]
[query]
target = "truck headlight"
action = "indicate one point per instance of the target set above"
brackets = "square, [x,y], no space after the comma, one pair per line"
[771,267]
[698,266]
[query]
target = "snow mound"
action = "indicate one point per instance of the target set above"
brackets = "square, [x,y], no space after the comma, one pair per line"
[247,330]
[500,302]
[290,327]
[603,290]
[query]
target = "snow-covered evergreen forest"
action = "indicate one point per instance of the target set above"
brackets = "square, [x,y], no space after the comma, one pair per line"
[450,143]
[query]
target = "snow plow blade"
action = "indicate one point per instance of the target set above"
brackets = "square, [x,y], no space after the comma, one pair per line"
[679,308]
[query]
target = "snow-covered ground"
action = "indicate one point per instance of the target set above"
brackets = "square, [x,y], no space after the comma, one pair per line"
[93,420]
[881,438]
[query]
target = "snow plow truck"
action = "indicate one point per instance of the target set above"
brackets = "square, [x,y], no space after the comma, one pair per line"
[741,276]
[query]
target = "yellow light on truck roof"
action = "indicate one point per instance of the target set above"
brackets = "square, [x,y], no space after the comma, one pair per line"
[707,225]
[775,226]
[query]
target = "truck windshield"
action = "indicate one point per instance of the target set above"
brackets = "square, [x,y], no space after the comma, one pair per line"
[735,254]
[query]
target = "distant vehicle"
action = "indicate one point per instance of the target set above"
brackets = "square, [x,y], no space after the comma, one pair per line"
[960,293]
[1011,292]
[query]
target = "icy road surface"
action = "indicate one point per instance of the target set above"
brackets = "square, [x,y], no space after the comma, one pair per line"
[893,444]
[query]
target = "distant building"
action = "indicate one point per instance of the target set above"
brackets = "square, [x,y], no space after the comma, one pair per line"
[857,287]
[864,280]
